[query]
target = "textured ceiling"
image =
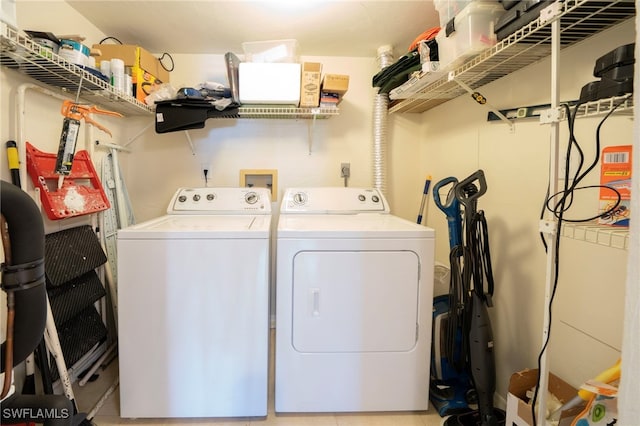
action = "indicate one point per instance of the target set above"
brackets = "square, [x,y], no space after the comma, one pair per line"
[321,27]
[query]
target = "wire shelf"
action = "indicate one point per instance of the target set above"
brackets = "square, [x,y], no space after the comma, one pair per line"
[20,53]
[623,106]
[283,112]
[579,19]
[608,236]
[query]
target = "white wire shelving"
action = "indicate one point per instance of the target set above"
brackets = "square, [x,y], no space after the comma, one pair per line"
[604,235]
[623,105]
[20,53]
[579,19]
[287,113]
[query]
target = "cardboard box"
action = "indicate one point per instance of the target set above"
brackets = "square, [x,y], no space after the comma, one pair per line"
[519,411]
[269,83]
[146,70]
[615,172]
[335,83]
[310,84]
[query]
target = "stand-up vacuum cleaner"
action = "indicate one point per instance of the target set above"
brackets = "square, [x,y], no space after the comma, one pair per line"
[450,387]
[468,303]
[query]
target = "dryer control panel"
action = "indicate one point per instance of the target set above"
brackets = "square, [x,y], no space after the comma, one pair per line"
[333,200]
[220,201]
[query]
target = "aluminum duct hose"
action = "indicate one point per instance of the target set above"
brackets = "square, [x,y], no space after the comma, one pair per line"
[380,107]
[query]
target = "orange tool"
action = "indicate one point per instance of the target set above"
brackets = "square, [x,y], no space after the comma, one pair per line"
[73,113]
[79,112]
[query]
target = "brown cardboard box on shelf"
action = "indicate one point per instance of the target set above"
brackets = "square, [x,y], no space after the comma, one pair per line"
[335,83]
[146,69]
[519,411]
[310,84]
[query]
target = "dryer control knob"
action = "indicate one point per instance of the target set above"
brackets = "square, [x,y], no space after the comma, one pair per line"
[251,198]
[299,198]
[361,197]
[211,197]
[196,197]
[182,198]
[375,198]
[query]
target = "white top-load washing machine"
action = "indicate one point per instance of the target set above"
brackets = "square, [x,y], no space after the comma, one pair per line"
[193,300]
[353,304]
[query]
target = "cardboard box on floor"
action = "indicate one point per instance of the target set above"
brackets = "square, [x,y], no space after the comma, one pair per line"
[519,412]
[146,69]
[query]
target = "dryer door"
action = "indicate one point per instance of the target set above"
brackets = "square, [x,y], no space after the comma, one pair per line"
[355,301]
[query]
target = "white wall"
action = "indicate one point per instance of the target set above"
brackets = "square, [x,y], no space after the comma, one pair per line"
[160,163]
[456,140]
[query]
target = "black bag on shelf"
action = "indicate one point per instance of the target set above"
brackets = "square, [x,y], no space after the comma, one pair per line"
[186,114]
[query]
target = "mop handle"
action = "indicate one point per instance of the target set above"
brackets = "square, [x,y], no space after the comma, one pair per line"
[425,194]
[14,162]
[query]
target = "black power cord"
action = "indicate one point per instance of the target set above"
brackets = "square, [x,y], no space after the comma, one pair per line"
[564,201]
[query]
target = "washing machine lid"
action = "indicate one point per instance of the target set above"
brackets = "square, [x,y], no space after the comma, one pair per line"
[200,227]
[350,226]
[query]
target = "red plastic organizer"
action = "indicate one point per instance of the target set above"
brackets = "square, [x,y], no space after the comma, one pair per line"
[81,192]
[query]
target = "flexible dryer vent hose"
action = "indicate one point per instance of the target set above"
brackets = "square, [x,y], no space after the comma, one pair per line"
[380,106]
[25,276]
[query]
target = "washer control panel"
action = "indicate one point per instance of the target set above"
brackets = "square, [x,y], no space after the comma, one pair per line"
[333,200]
[220,201]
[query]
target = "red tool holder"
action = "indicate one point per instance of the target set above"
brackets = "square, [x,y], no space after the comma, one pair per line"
[81,192]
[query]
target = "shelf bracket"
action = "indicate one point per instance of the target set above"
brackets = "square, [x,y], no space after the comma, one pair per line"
[551,12]
[551,115]
[137,135]
[312,126]
[481,100]
[188,136]
[548,227]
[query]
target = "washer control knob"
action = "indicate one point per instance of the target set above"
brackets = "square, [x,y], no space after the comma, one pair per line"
[251,198]
[211,197]
[182,198]
[375,198]
[299,198]
[361,197]
[196,197]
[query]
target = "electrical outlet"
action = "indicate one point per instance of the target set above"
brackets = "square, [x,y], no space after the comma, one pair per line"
[345,170]
[205,173]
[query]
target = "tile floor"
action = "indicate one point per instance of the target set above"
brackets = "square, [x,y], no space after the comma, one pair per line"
[108,415]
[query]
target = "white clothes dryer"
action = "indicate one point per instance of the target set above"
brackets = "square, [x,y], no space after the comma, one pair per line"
[353,304]
[193,301]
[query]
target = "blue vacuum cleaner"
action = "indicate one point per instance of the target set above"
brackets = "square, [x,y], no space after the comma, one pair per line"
[450,389]
[470,297]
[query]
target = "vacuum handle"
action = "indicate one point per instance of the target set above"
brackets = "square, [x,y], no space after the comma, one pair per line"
[451,208]
[464,195]
[436,194]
